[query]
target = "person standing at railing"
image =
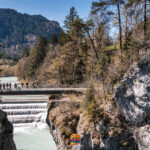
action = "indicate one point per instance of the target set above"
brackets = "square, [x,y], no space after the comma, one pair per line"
[27,85]
[19,86]
[10,86]
[15,86]
[7,86]
[37,85]
[33,85]
[0,86]
[22,85]
[3,86]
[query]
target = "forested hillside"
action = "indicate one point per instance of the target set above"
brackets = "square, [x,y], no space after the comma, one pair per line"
[20,30]
[85,50]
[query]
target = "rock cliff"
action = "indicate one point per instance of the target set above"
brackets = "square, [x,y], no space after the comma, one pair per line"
[65,117]
[133,98]
[6,133]
[133,94]
[122,124]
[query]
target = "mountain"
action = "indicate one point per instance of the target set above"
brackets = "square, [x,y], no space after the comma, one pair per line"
[20,30]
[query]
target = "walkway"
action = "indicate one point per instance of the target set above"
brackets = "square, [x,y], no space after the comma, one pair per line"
[43,91]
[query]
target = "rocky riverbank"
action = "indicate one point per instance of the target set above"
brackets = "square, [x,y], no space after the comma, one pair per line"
[6,133]
[122,124]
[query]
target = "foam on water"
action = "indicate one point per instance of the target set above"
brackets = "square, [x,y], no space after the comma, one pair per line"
[29,119]
[28,138]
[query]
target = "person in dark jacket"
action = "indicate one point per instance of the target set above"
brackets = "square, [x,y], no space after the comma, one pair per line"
[3,86]
[22,85]
[0,86]
[27,85]
[7,86]
[15,85]
[10,86]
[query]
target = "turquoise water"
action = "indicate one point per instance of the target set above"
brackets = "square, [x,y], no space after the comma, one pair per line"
[33,139]
[30,138]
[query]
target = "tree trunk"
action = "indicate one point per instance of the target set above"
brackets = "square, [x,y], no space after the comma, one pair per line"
[92,42]
[126,31]
[120,29]
[145,24]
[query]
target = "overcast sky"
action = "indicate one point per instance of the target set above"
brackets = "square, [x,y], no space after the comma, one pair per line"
[51,9]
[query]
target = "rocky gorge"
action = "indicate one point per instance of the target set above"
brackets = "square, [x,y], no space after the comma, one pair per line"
[122,124]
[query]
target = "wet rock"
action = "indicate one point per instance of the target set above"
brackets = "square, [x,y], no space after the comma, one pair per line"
[6,133]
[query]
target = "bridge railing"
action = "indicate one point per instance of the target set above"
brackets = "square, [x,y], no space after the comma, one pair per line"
[20,86]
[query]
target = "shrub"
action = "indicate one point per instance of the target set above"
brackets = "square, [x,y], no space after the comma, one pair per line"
[91,105]
[89,96]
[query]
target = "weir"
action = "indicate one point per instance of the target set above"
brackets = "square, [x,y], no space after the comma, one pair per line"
[26,110]
[28,107]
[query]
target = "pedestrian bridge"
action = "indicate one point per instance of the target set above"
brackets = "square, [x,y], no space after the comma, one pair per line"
[43,91]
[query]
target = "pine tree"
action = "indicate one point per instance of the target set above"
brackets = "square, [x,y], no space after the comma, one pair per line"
[37,56]
[54,39]
[73,15]
[130,4]
[107,5]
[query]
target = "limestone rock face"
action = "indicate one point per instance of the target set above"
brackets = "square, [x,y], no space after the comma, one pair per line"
[55,131]
[63,116]
[133,94]
[142,137]
[129,117]
[104,136]
[133,98]
[6,133]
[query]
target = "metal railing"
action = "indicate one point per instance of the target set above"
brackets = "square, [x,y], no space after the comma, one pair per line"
[20,86]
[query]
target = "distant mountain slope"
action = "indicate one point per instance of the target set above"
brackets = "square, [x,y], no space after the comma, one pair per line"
[19,30]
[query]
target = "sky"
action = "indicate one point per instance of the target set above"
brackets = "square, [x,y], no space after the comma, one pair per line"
[51,9]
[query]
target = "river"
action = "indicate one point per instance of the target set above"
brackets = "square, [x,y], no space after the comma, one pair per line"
[30,130]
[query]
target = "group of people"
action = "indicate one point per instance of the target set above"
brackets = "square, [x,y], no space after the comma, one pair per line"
[17,86]
[20,85]
[5,86]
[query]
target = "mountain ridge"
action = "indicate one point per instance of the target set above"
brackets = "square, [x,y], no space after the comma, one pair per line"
[18,30]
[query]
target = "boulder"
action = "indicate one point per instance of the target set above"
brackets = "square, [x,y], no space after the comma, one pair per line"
[133,94]
[6,133]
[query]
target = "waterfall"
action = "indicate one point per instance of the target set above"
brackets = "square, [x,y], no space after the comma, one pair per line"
[25,111]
